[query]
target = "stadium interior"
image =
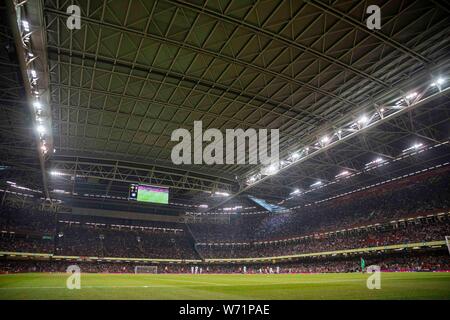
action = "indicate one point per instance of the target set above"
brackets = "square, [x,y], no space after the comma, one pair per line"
[87,175]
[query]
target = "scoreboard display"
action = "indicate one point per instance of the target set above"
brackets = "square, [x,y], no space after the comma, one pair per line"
[151,194]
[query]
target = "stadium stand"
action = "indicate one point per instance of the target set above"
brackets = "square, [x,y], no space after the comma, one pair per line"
[406,212]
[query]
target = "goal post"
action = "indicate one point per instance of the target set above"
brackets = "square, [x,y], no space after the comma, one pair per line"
[145,269]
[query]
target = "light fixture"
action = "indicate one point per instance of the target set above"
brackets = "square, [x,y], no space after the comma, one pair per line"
[37,105]
[363,120]
[342,174]
[26,26]
[223,194]
[411,96]
[33,73]
[271,170]
[316,184]
[325,139]
[438,82]
[40,129]
[296,191]
[295,156]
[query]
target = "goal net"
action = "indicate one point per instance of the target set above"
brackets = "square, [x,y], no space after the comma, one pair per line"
[145,269]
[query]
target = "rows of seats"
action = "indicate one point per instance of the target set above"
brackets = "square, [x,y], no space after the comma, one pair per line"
[379,205]
[25,230]
[432,230]
[408,261]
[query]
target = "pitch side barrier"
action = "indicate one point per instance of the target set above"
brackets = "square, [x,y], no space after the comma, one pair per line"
[49,256]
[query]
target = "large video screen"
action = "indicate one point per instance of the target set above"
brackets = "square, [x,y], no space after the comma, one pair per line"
[151,194]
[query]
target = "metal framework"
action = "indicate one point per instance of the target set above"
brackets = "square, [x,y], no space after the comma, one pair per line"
[137,70]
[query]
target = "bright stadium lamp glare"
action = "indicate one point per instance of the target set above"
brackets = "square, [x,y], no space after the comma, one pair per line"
[37,105]
[296,191]
[203,206]
[411,96]
[439,82]
[325,139]
[316,184]
[343,174]
[363,120]
[251,180]
[40,129]
[26,26]
[295,156]
[223,194]
[271,170]
[33,73]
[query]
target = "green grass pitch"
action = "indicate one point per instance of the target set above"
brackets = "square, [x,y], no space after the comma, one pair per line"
[209,287]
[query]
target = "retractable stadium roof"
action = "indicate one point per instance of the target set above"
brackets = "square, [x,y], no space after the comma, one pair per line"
[115,89]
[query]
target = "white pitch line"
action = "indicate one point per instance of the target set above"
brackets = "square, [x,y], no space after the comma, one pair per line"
[203,284]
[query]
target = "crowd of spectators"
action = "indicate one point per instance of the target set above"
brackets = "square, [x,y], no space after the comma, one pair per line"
[310,229]
[106,242]
[379,205]
[408,262]
[383,235]
[25,243]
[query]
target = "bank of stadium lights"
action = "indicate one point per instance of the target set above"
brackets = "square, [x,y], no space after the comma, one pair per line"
[26,26]
[325,140]
[26,31]
[232,208]
[14,185]
[363,121]
[56,173]
[221,194]
[295,192]
[343,174]
[438,82]
[377,162]
[40,129]
[415,147]
[317,184]
[418,147]
[271,170]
